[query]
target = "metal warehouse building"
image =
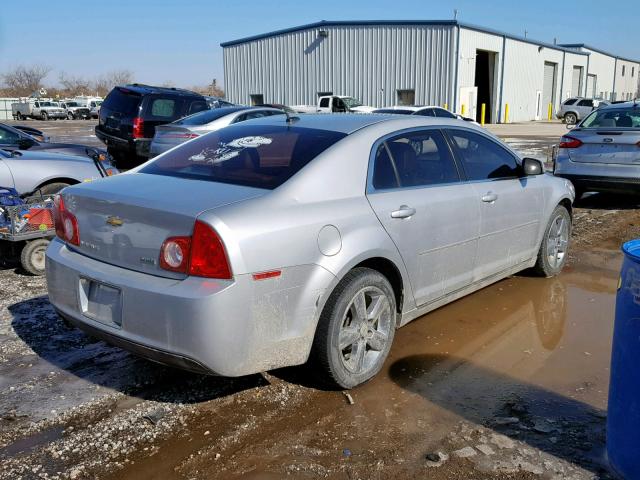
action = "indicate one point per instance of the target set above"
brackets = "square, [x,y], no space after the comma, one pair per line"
[384,63]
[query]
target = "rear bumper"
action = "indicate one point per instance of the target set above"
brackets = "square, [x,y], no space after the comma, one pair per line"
[228,328]
[610,177]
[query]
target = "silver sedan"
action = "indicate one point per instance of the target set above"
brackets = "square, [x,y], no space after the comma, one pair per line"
[174,133]
[284,240]
[602,153]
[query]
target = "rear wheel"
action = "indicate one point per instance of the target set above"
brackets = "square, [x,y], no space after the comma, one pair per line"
[553,252]
[32,257]
[356,329]
[571,118]
[44,116]
[70,116]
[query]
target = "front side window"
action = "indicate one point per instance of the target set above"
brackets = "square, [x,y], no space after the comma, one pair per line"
[483,158]
[415,159]
[613,118]
[261,156]
[324,102]
[8,137]
[197,106]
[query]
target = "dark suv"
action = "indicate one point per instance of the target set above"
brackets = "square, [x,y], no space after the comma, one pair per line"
[129,116]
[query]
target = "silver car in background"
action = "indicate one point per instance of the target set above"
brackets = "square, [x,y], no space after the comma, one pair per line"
[172,134]
[602,153]
[280,240]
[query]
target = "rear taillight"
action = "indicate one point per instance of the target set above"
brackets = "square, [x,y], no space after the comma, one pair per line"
[65,222]
[201,255]
[569,142]
[138,127]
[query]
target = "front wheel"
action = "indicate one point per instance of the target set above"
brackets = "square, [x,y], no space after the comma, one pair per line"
[44,116]
[356,329]
[552,255]
[571,118]
[70,116]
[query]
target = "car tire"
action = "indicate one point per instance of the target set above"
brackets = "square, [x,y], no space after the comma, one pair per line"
[52,188]
[352,341]
[570,118]
[554,248]
[19,116]
[44,116]
[32,256]
[71,116]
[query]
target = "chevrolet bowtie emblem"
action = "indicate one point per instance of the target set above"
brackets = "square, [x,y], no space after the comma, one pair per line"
[114,221]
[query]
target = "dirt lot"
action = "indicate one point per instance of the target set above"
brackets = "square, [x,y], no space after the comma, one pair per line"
[510,382]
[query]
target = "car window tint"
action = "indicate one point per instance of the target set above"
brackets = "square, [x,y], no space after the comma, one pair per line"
[426,112]
[482,157]
[442,113]
[585,103]
[197,106]
[163,107]
[262,156]
[570,101]
[8,137]
[612,118]
[324,102]
[122,101]
[414,160]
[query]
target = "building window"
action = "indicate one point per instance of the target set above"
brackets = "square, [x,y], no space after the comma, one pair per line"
[623,70]
[406,97]
[257,99]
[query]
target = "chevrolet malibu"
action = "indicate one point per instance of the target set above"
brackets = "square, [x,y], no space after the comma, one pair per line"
[284,240]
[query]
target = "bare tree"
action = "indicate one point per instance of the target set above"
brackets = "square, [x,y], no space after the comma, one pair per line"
[73,85]
[104,83]
[25,80]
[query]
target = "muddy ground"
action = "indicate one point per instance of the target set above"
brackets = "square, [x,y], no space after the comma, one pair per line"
[510,382]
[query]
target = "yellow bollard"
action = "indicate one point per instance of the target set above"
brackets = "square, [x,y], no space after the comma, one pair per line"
[550,112]
[506,113]
[446,106]
[483,111]
[463,109]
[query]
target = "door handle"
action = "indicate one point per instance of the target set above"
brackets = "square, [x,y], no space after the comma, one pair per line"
[489,197]
[403,212]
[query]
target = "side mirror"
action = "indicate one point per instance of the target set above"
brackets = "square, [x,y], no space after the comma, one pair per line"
[532,166]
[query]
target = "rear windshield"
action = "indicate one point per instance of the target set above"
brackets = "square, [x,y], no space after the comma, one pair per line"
[613,118]
[122,101]
[261,156]
[207,116]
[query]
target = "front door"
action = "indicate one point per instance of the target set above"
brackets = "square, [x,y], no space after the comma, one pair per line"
[416,191]
[510,204]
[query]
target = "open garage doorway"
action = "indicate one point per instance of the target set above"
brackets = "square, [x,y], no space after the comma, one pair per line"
[485,81]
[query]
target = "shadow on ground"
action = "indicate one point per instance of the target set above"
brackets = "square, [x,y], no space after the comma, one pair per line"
[563,427]
[608,201]
[69,349]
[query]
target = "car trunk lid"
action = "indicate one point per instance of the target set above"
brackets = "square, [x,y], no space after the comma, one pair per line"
[168,136]
[124,221]
[606,145]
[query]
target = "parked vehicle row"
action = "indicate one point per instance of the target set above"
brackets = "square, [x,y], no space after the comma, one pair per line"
[334,104]
[575,109]
[38,109]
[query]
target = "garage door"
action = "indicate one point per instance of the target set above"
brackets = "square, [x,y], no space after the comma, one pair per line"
[549,86]
[591,86]
[576,82]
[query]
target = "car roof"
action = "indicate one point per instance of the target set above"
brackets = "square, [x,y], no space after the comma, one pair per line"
[150,89]
[351,122]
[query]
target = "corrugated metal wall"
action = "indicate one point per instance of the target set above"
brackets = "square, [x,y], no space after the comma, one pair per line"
[368,62]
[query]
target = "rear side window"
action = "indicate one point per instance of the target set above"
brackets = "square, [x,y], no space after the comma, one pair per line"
[261,156]
[324,103]
[483,158]
[414,160]
[122,101]
[163,107]
[570,101]
[585,103]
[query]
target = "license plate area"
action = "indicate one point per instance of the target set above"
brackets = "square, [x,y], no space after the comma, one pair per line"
[100,302]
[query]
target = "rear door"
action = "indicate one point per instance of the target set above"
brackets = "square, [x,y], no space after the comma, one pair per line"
[416,191]
[584,107]
[610,135]
[510,205]
[118,111]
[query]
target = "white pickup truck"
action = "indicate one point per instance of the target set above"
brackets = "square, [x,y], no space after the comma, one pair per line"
[40,109]
[334,104]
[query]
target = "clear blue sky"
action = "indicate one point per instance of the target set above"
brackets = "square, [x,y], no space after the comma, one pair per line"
[179,41]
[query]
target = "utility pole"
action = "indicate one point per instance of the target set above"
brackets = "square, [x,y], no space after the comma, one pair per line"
[455,14]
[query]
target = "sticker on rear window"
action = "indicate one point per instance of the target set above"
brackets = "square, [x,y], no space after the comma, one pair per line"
[229,150]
